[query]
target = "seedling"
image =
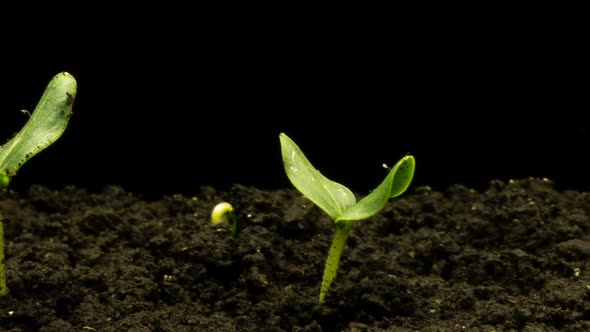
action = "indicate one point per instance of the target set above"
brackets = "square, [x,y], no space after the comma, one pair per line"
[45,126]
[224,212]
[338,201]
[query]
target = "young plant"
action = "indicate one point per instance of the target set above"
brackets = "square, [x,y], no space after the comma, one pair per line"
[338,201]
[45,126]
[224,212]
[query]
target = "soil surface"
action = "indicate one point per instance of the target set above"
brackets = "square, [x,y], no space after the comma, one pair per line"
[508,258]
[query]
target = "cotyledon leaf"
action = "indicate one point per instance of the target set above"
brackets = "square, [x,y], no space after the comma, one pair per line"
[395,183]
[46,124]
[330,196]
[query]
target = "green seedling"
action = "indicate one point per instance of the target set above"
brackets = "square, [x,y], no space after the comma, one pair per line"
[224,212]
[338,201]
[45,126]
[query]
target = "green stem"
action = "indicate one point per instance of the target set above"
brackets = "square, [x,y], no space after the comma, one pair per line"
[236,224]
[3,288]
[331,268]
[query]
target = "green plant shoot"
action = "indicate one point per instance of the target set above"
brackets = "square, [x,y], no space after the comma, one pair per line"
[224,212]
[338,201]
[45,125]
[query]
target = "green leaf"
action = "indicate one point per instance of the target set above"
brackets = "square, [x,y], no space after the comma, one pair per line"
[396,182]
[404,173]
[330,196]
[44,127]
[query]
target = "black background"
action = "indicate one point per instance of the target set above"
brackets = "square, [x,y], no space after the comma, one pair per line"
[167,106]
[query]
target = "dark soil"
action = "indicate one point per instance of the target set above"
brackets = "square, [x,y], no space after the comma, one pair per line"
[510,258]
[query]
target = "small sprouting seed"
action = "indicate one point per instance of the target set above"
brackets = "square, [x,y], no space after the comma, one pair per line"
[224,212]
[220,213]
[4,180]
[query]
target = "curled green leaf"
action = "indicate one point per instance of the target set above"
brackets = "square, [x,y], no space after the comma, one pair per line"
[396,182]
[46,124]
[330,196]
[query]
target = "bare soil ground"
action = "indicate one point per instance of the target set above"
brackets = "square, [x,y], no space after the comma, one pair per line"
[510,258]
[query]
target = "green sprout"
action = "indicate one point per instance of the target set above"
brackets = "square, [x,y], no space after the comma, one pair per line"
[338,201]
[224,212]
[45,126]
